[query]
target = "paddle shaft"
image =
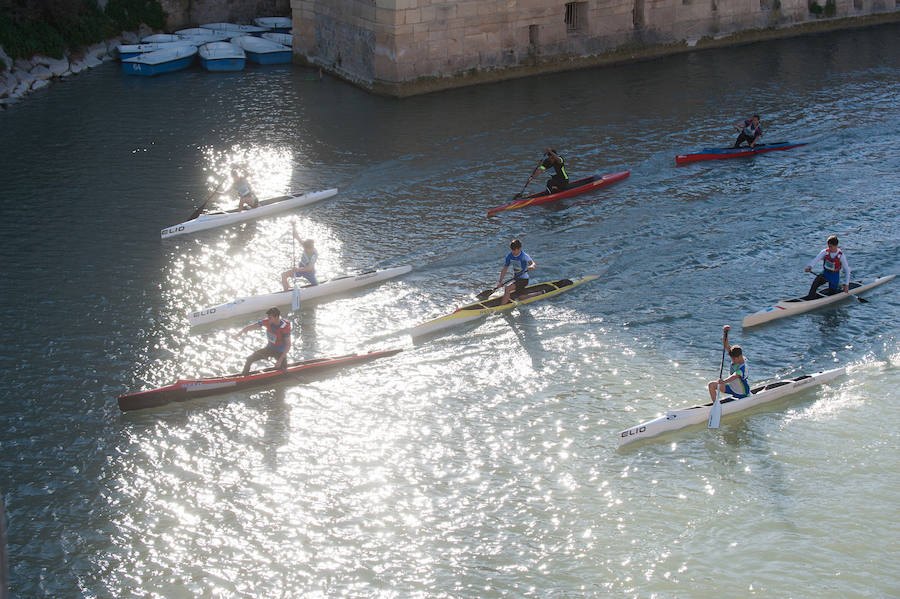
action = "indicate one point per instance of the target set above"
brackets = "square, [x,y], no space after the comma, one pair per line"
[715,412]
[534,170]
[487,292]
[199,210]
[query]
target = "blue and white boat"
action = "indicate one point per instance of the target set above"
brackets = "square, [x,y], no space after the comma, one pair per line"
[158,38]
[235,29]
[262,51]
[285,39]
[222,56]
[132,50]
[160,61]
[200,36]
[276,24]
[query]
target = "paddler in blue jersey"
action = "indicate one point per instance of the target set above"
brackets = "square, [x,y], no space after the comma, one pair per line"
[521,263]
[278,332]
[749,130]
[834,262]
[737,383]
[306,267]
[560,179]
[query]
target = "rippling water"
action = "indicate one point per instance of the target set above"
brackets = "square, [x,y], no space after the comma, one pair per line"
[482,462]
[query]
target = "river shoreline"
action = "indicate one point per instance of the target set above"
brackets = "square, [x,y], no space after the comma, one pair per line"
[23,77]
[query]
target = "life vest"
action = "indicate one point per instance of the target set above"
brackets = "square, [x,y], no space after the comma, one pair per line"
[277,333]
[242,187]
[308,259]
[749,129]
[832,263]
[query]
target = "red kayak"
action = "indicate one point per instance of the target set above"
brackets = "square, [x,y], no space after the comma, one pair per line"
[722,153]
[185,389]
[575,188]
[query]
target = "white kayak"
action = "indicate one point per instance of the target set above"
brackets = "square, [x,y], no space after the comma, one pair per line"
[261,303]
[798,305]
[209,220]
[679,419]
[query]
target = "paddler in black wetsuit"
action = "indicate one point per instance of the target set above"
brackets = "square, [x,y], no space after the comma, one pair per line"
[560,179]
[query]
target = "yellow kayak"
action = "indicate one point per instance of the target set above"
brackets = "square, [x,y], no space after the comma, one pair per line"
[474,311]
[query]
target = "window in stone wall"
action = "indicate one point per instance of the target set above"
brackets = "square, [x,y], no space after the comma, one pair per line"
[534,34]
[576,16]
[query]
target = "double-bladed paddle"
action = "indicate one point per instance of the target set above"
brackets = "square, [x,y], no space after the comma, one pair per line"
[715,412]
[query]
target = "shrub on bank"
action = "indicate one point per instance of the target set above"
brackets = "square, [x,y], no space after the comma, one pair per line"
[50,27]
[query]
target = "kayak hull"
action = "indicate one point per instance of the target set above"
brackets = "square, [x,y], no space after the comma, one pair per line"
[575,188]
[678,419]
[478,310]
[266,207]
[186,389]
[261,303]
[799,305]
[725,153]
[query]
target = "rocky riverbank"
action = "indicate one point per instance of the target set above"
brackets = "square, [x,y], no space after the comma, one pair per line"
[20,77]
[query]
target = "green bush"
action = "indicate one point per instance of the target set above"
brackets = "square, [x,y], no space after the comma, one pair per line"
[830,8]
[49,27]
[815,8]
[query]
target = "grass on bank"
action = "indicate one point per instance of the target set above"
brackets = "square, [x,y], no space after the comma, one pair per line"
[50,27]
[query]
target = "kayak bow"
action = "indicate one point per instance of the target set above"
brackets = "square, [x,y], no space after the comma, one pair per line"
[722,153]
[678,419]
[185,389]
[575,188]
[475,311]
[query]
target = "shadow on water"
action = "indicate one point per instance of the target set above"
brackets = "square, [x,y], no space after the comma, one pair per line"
[277,427]
[524,327]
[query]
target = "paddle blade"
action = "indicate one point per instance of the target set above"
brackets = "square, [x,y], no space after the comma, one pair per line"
[485,294]
[715,413]
[295,298]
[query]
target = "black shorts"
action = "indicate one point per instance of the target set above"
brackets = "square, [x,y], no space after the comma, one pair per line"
[521,284]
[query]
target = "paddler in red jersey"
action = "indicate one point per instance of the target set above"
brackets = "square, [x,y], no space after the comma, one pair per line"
[560,179]
[278,331]
[833,263]
[749,130]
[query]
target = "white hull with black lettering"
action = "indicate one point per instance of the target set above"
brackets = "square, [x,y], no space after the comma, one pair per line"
[679,419]
[261,303]
[211,220]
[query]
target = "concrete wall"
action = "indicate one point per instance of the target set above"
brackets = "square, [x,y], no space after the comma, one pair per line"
[403,47]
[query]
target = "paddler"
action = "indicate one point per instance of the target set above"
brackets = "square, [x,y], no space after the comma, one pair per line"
[521,264]
[306,267]
[749,131]
[278,332]
[737,383]
[560,179]
[242,187]
[834,262]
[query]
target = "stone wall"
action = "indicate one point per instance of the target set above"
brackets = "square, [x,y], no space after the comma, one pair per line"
[403,47]
[181,14]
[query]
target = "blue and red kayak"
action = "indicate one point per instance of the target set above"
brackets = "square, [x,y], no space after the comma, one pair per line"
[722,153]
[576,187]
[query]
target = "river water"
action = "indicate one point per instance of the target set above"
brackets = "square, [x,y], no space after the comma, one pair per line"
[482,462]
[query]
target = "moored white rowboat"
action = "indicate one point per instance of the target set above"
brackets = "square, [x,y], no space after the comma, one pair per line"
[798,305]
[210,220]
[679,419]
[261,303]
